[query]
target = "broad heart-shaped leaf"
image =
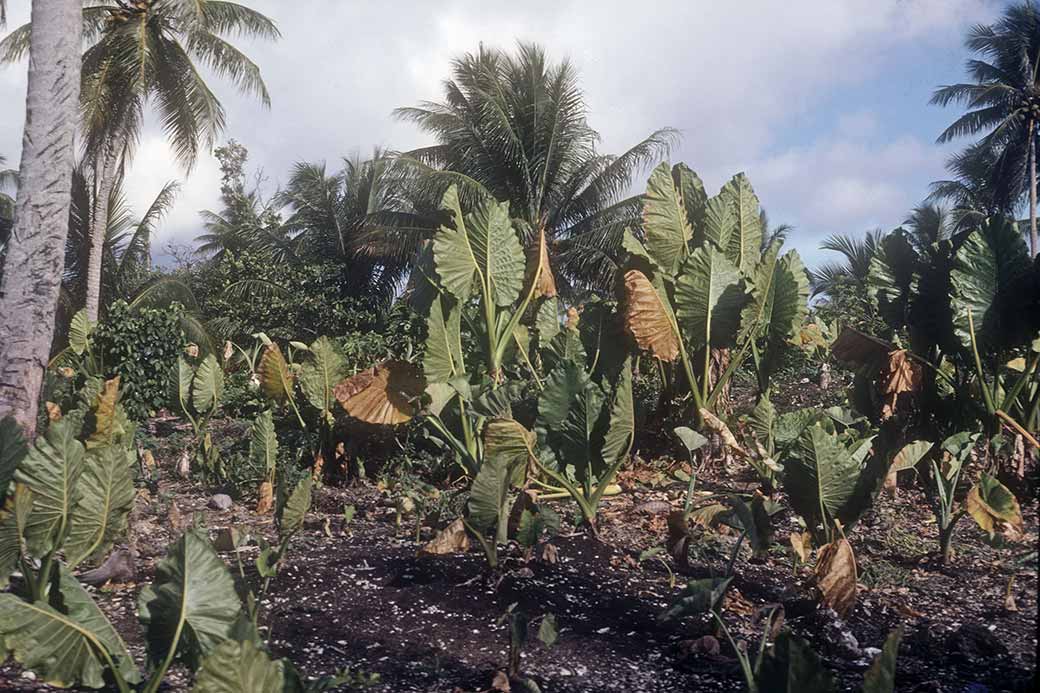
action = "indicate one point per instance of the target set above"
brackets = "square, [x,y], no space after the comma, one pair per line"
[107,428]
[180,385]
[80,330]
[263,442]
[649,318]
[665,222]
[13,517]
[13,450]
[276,380]
[569,410]
[792,667]
[386,394]
[320,372]
[547,321]
[106,496]
[745,240]
[58,647]
[52,471]
[890,277]
[70,598]
[621,426]
[720,221]
[293,509]
[193,594]
[693,196]
[909,455]
[762,421]
[709,297]
[442,360]
[820,473]
[881,676]
[989,263]
[508,447]
[207,388]
[990,502]
[239,667]
[485,245]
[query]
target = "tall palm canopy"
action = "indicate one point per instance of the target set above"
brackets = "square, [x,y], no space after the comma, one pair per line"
[1003,102]
[514,126]
[333,215]
[857,253]
[150,51]
[970,191]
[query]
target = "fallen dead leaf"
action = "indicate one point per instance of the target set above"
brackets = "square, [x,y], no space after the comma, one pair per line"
[1009,596]
[500,682]
[836,576]
[451,539]
[801,542]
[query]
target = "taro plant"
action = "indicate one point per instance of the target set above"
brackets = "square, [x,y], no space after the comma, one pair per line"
[73,488]
[965,311]
[198,386]
[474,280]
[993,507]
[585,429]
[700,291]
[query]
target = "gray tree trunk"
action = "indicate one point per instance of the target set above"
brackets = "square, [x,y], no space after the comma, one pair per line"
[104,179]
[36,251]
[1032,189]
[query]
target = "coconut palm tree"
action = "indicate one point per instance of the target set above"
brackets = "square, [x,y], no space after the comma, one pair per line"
[151,52]
[853,269]
[33,261]
[1003,103]
[514,126]
[355,215]
[928,224]
[970,191]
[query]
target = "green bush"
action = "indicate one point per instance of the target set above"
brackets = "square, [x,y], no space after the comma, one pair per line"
[248,293]
[141,347]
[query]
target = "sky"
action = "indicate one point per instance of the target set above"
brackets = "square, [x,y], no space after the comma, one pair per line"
[823,103]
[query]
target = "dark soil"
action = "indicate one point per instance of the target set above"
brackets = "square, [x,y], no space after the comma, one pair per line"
[359,596]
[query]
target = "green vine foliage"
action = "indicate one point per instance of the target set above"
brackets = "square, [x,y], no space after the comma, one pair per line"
[141,347]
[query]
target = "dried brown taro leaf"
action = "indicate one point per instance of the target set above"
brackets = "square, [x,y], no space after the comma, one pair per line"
[386,394]
[836,576]
[856,348]
[899,375]
[647,318]
[265,501]
[276,380]
[539,262]
[451,539]
[719,426]
[801,542]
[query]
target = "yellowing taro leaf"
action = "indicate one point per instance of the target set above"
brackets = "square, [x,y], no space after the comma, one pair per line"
[276,380]
[992,505]
[53,411]
[451,539]
[836,576]
[539,262]
[573,318]
[105,425]
[801,542]
[265,502]
[647,318]
[385,394]
[900,375]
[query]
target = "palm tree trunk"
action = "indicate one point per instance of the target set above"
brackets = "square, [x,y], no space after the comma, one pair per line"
[36,251]
[104,179]
[1032,189]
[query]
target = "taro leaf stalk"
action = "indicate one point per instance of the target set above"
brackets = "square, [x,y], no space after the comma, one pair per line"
[698,283]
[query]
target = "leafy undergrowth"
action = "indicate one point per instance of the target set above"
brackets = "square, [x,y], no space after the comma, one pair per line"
[357,595]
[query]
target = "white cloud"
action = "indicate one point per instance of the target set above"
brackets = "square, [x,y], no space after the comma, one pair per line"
[734,77]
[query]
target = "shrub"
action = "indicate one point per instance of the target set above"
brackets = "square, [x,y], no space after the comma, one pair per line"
[141,347]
